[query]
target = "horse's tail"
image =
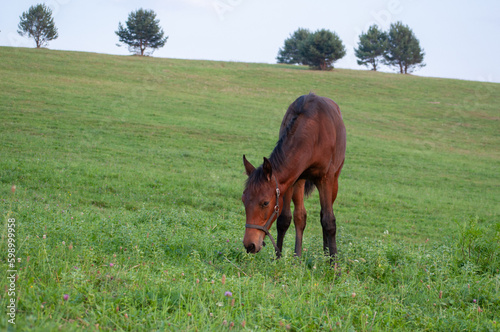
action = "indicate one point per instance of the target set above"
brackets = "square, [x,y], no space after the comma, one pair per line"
[308,188]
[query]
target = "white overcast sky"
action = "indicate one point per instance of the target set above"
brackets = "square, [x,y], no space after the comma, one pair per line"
[461,38]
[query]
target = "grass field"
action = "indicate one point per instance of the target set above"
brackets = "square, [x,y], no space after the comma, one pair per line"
[129,174]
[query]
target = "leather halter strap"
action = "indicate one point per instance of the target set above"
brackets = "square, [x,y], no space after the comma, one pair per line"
[266,227]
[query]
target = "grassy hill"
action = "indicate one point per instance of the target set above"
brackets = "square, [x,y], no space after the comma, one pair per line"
[128,178]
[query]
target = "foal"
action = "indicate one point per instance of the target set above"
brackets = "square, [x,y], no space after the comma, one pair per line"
[310,151]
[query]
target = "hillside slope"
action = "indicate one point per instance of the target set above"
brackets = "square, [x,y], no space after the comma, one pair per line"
[127,205]
[421,151]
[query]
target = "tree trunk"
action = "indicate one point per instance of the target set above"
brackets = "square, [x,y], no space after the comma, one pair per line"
[401,67]
[141,47]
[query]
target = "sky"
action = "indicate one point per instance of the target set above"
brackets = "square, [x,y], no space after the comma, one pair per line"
[460,38]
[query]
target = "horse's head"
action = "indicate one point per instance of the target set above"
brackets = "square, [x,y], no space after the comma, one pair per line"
[262,202]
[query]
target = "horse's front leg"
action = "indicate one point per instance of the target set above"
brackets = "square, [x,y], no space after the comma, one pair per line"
[284,220]
[299,215]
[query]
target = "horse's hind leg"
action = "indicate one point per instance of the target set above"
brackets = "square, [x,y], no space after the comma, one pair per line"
[299,215]
[327,194]
[284,219]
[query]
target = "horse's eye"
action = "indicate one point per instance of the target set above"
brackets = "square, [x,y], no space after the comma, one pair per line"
[265,204]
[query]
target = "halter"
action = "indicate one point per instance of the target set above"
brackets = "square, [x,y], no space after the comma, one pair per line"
[266,227]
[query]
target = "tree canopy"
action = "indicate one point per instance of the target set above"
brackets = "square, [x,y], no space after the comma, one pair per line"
[37,23]
[321,49]
[403,49]
[318,50]
[290,52]
[143,31]
[372,47]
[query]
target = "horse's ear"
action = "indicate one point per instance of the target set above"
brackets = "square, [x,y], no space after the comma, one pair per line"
[248,167]
[267,168]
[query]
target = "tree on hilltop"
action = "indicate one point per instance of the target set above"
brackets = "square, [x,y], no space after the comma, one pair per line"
[290,52]
[318,50]
[403,49]
[37,23]
[143,31]
[321,49]
[372,47]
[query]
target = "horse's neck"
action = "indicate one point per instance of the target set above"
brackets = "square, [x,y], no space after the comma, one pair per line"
[287,175]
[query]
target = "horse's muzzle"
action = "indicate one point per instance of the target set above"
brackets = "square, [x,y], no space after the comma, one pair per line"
[253,249]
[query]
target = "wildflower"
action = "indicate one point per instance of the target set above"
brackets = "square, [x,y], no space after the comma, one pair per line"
[13,188]
[70,247]
[126,316]
[479,309]
[65,297]
[474,300]
[353,295]
[243,323]
[44,236]
[111,264]
[228,294]
[224,322]
[189,314]
[231,324]
[63,243]
[19,260]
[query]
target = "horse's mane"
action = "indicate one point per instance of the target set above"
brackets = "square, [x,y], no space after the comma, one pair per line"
[278,157]
[297,108]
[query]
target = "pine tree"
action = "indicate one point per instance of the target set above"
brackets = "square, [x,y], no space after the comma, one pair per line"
[37,23]
[372,46]
[321,49]
[143,31]
[403,49]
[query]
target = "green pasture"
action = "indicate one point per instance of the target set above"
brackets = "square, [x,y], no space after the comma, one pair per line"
[128,174]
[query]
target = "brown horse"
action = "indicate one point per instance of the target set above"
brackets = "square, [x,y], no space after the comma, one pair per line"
[310,151]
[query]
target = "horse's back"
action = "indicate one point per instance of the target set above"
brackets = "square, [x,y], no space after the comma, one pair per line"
[318,120]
